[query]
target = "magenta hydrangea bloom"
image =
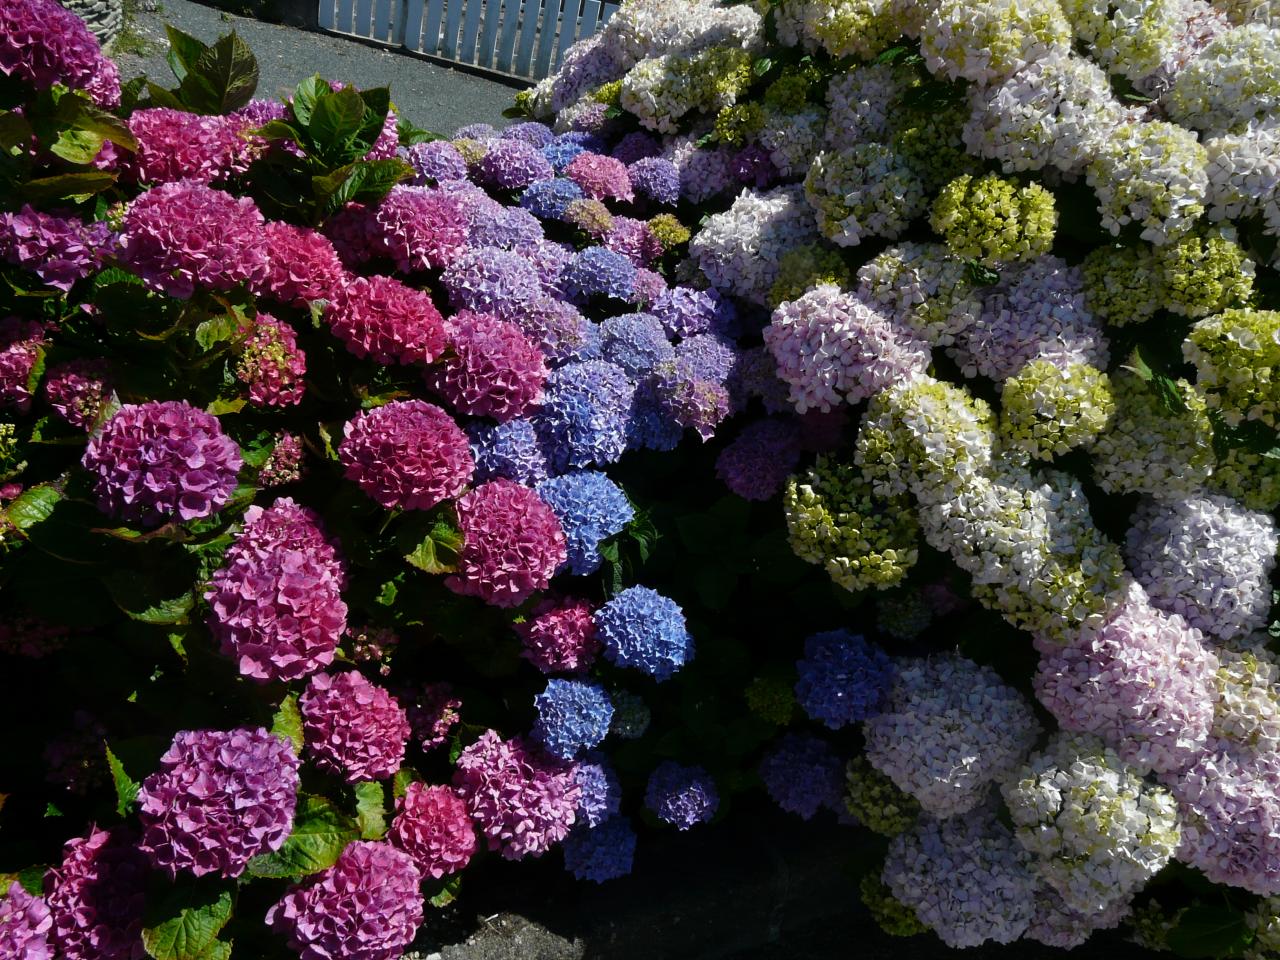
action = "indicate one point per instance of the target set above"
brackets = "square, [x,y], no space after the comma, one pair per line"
[219,799]
[25,923]
[421,228]
[512,544]
[492,280]
[160,461]
[302,265]
[560,636]
[176,145]
[634,240]
[367,906]
[689,399]
[284,463]
[354,233]
[58,250]
[21,344]
[272,365]
[381,318]
[275,605]
[759,460]
[524,800]
[41,44]
[77,391]
[494,369]
[600,177]
[96,897]
[352,727]
[180,235]
[513,165]
[432,826]
[407,453]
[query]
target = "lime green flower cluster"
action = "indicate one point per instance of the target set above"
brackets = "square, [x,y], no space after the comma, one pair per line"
[876,800]
[8,450]
[669,231]
[738,123]
[1134,42]
[1249,477]
[804,267]
[525,100]
[834,519]
[855,28]
[1264,921]
[720,75]
[1203,273]
[472,151]
[609,93]
[1048,408]
[1150,923]
[772,699]
[867,190]
[790,92]
[1236,354]
[890,914]
[930,143]
[1120,284]
[992,219]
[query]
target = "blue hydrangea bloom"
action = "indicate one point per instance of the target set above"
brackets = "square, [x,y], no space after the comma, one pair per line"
[548,199]
[560,153]
[583,418]
[573,715]
[530,131]
[591,508]
[803,775]
[635,342]
[601,853]
[656,179]
[681,796]
[508,450]
[685,311]
[709,357]
[490,280]
[601,792]
[506,228]
[598,272]
[650,426]
[591,142]
[843,679]
[641,628]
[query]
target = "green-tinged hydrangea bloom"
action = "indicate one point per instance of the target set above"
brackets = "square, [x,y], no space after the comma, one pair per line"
[608,93]
[1203,273]
[805,267]
[524,100]
[903,615]
[472,151]
[1249,477]
[669,231]
[772,699]
[9,462]
[790,92]
[988,41]
[1129,37]
[1234,82]
[877,802]
[890,914]
[1248,687]
[1120,284]
[1236,354]
[855,28]
[925,288]
[993,219]
[864,191]
[590,216]
[739,123]
[1048,409]
[930,143]
[720,75]
[834,519]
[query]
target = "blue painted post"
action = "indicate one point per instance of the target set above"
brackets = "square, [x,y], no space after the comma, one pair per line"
[507,45]
[452,14]
[471,27]
[489,36]
[528,30]
[431,35]
[551,17]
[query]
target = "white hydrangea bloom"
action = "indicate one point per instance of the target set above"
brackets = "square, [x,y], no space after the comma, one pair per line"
[1234,82]
[865,191]
[843,28]
[1199,24]
[1251,11]
[861,102]
[924,288]
[988,41]
[1128,37]
[1244,174]
[659,91]
[1057,925]
[792,139]
[1248,684]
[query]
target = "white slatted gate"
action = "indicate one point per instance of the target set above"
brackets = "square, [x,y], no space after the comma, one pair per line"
[525,38]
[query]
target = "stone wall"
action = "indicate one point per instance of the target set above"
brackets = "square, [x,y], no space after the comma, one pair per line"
[104,17]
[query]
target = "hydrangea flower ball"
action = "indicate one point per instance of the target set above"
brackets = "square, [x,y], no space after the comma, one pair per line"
[493,369]
[843,679]
[407,453]
[560,636]
[25,924]
[380,318]
[432,826]
[573,716]
[680,795]
[591,508]
[353,728]
[97,896]
[642,629]
[601,853]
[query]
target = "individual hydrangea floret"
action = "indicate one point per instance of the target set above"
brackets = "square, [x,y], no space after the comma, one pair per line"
[509,450]
[352,727]
[642,629]
[802,774]
[591,508]
[573,715]
[842,678]
[992,219]
[875,800]
[433,827]
[680,795]
[1235,354]
[492,370]
[380,318]
[97,896]
[161,461]
[407,453]
[219,799]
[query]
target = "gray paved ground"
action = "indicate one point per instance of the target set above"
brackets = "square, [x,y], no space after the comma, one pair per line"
[431,96]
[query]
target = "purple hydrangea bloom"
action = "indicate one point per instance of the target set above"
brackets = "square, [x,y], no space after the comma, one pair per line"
[601,853]
[591,508]
[507,450]
[573,715]
[494,281]
[843,679]
[647,286]
[21,344]
[601,793]
[561,153]
[759,460]
[710,357]
[507,228]
[583,419]
[561,331]
[352,727]
[41,44]
[530,131]
[25,923]
[656,179]
[436,160]
[476,131]
[636,343]
[420,228]
[367,906]
[513,165]
[156,461]
[637,145]
[598,272]
[642,629]
[97,896]
[681,796]
[753,167]
[78,390]
[592,142]
[58,250]
[685,311]
[803,774]
[548,199]
[689,399]
[548,258]
[219,799]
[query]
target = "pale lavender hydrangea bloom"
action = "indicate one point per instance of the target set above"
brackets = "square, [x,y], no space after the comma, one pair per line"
[25,924]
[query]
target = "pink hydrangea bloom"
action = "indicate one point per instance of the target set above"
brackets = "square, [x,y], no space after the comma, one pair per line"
[275,605]
[433,713]
[180,235]
[433,827]
[354,234]
[421,228]
[272,365]
[494,369]
[77,391]
[367,906]
[647,287]
[380,317]
[512,544]
[352,727]
[97,896]
[302,265]
[160,461]
[219,799]
[560,636]
[634,240]
[41,44]
[600,177]
[25,923]
[176,145]
[407,453]
[284,464]
[759,460]
[21,344]
[523,799]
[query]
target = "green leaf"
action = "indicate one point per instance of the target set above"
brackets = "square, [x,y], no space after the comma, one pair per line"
[374,179]
[216,330]
[448,893]
[223,79]
[1167,390]
[186,923]
[32,879]
[34,505]
[515,113]
[763,66]
[320,833]
[143,599]
[400,782]
[387,594]
[68,186]
[126,786]
[981,275]
[305,96]
[337,120]
[371,813]
[160,97]
[51,810]
[287,722]
[15,131]
[1204,931]
[184,51]
[438,551]
[226,405]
